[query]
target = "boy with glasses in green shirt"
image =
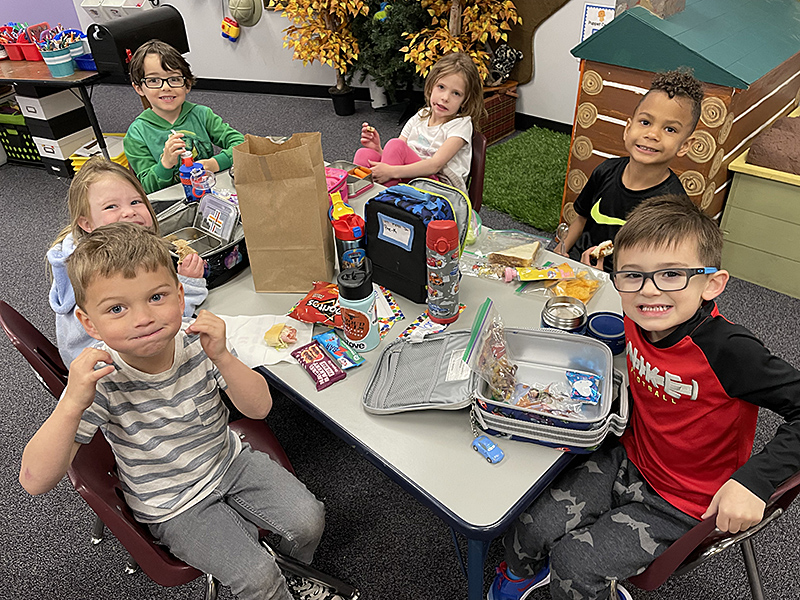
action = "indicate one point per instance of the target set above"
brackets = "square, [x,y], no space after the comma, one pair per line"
[158,136]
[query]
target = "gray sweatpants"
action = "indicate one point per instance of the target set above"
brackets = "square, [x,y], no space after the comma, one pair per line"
[600,520]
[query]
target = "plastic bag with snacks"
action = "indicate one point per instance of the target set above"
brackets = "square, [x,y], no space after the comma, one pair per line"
[487,353]
[476,262]
[583,286]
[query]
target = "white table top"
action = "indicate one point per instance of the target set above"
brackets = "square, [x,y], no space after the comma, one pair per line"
[426,450]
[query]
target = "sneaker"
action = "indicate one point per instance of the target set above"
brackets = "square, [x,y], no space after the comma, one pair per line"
[623,594]
[505,588]
[308,589]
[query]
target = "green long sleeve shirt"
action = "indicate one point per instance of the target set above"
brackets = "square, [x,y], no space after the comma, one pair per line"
[202,129]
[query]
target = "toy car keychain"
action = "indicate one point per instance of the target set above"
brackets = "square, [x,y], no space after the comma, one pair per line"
[488,449]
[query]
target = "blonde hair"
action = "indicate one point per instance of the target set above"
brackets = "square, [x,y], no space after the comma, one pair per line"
[94,170]
[116,248]
[458,63]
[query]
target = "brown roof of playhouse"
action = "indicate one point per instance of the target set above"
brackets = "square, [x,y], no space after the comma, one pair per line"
[727,42]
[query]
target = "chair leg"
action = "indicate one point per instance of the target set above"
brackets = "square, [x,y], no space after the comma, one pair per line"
[98,531]
[613,589]
[753,574]
[211,587]
[131,566]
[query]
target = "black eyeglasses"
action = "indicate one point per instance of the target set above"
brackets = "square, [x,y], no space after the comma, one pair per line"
[666,280]
[156,83]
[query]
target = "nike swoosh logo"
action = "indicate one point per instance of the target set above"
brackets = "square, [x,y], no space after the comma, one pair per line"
[602,219]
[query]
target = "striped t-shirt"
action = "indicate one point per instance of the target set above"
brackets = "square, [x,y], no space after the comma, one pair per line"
[169,431]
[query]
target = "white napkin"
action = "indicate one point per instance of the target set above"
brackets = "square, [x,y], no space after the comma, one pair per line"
[246,334]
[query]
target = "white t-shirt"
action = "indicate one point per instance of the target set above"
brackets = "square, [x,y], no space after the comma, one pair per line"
[425,140]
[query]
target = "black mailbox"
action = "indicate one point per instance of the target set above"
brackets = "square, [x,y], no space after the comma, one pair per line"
[114,42]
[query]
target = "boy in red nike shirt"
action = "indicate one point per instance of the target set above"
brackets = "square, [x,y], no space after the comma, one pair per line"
[659,131]
[697,381]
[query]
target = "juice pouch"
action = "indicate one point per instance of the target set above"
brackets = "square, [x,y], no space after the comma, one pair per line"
[487,353]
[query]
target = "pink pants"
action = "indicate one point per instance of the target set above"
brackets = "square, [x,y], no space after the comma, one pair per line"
[395,152]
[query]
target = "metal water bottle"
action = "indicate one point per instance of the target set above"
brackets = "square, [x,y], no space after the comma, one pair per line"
[349,233]
[444,276]
[359,311]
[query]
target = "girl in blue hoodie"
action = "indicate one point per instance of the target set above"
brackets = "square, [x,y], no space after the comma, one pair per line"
[104,192]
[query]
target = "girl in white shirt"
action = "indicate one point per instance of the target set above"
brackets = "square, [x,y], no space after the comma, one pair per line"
[437,141]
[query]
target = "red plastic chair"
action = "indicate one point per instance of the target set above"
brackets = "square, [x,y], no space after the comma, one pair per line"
[40,352]
[93,470]
[704,541]
[477,169]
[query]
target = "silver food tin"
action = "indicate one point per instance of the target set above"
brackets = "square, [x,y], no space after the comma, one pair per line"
[565,313]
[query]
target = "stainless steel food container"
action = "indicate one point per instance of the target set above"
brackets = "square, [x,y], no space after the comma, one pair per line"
[565,313]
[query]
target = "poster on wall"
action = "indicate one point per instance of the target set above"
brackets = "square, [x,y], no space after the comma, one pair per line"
[594,17]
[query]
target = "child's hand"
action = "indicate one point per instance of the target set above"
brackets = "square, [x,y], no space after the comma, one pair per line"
[736,507]
[370,137]
[212,334]
[83,377]
[210,164]
[586,259]
[172,150]
[381,172]
[192,266]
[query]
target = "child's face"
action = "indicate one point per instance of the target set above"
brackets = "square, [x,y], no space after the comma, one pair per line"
[137,317]
[660,313]
[659,130]
[166,101]
[113,199]
[447,96]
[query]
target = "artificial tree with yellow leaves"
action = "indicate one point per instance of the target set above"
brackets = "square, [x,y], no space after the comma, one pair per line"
[461,26]
[320,31]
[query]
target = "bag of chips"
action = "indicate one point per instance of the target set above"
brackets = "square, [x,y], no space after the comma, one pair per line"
[321,305]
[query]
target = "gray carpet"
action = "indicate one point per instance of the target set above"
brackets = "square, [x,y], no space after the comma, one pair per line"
[377,536]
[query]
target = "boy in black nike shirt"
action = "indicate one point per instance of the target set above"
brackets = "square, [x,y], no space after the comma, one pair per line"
[659,130]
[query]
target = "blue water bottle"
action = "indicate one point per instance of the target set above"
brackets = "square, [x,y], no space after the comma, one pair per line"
[357,301]
[185,173]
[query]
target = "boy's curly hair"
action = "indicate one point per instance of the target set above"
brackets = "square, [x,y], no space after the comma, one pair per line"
[681,83]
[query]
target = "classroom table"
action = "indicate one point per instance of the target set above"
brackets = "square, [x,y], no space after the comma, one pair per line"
[426,452]
[35,72]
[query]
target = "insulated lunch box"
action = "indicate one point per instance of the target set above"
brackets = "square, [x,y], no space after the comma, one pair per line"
[403,380]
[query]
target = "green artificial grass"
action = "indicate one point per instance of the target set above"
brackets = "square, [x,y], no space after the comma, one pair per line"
[525,177]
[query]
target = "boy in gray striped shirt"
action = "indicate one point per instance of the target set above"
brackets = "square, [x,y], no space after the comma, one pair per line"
[153,387]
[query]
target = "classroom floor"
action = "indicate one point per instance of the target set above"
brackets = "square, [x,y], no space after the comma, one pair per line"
[377,537]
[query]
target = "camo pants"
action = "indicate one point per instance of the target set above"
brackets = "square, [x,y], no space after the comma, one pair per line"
[598,521]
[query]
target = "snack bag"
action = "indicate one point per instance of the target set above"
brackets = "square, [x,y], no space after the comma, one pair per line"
[583,286]
[487,353]
[321,305]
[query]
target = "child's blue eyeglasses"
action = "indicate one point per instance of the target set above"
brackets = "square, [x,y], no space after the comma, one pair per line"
[666,280]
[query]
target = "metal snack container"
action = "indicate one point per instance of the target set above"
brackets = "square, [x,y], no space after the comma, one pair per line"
[355,185]
[565,313]
[224,259]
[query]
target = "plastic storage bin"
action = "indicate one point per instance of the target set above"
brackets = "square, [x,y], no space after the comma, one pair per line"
[18,143]
[85,63]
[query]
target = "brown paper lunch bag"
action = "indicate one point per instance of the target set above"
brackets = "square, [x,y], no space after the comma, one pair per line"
[283,198]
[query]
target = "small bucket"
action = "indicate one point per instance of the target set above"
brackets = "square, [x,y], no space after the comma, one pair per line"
[76,49]
[59,62]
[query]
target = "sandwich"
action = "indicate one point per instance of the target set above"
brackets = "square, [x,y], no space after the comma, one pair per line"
[602,250]
[280,336]
[182,249]
[518,256]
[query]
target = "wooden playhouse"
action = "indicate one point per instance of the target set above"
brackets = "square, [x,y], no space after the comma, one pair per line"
[747,52]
